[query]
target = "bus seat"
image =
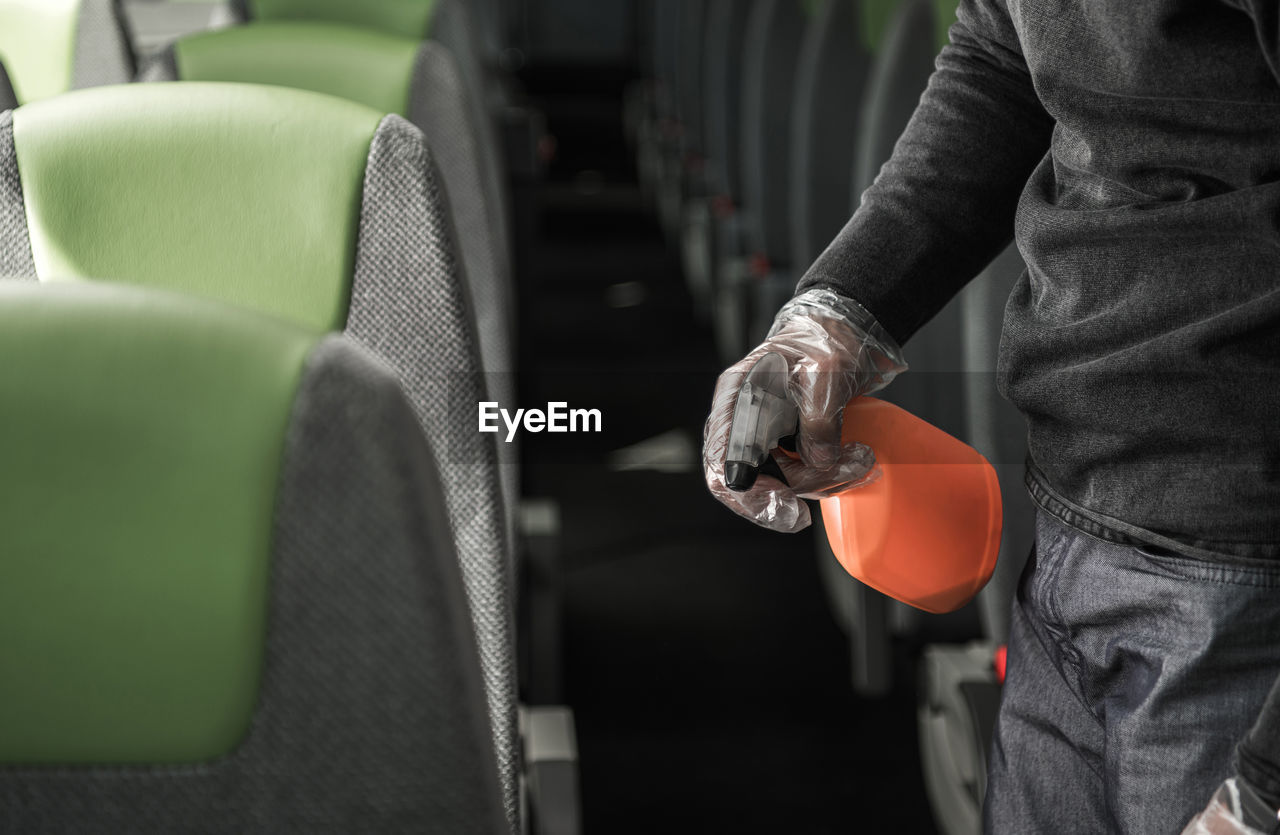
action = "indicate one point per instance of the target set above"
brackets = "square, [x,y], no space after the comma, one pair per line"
[413,78]
[448,22]
[308,207]
[231,601]
[834,65]
[49,47]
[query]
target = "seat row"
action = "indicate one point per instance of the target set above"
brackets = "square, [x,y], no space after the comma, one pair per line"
[757,131]
[320,168]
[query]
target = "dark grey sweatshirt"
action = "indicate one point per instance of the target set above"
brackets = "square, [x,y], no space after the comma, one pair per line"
[1135,148]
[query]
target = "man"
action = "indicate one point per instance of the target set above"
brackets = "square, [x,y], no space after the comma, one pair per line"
[1135,148]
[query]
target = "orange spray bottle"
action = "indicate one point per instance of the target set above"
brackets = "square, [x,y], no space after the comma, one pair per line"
[923,529]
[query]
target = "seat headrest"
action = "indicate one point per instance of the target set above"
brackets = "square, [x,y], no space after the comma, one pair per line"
[38,44]
[241,193]
[142,436]
[52,46]
[410,18]
[363,65]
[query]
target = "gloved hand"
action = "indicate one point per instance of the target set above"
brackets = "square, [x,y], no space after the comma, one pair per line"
[835,351]
[1233,812]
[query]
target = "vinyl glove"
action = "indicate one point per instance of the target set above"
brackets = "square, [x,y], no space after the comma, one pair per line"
[1234,810]
[835,351]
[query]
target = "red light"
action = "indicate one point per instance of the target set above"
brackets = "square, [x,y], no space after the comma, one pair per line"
[760,265]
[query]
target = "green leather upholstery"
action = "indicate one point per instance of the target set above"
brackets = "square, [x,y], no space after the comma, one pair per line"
[37,45]
[409,18]
[361,65]
[142,436]
[148,183]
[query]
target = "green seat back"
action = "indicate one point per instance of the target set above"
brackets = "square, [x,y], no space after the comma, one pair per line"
[408,18]
[141,436]
[363,65]
[37,45]
[240,193]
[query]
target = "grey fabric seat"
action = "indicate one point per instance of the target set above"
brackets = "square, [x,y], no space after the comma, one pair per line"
[935,387]
[964,337]
[73,46]
[681,152]
[655,124]
[448,22]
[952,384]
[712,202]
[8,98]
[363,708]
[491,26]
[345,228]
[775,38]
[952,378]
[728,59]
[834,66]
[308,53]
[726,36]
[755,283]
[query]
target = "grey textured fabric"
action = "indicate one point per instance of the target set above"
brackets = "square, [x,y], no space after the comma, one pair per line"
[726,30]
[160,67]
[834,65]
[666,43]
[774,35]
[439,104]
[409,304]
[371,713]
[438,107]
[1136,151]
[404,309]
[104,54]
[452,27]
[1132,674]
[16,259]
[491,23]
[8,98]
[689,81]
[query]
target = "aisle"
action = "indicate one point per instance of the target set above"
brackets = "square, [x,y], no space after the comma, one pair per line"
[709,680]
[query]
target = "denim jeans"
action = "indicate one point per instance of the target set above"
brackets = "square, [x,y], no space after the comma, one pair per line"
[1132,676]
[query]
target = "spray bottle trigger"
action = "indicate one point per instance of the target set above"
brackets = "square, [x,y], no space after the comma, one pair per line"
[762,417]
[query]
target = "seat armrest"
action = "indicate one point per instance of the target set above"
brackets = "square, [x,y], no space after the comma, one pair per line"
[551,771]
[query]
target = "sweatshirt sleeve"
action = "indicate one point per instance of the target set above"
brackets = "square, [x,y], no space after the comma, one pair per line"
[943,206]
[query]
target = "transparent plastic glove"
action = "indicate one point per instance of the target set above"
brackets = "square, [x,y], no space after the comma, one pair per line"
[1231,811]
[833,351]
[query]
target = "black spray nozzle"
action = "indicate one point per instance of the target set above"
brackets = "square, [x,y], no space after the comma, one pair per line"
[764,418]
